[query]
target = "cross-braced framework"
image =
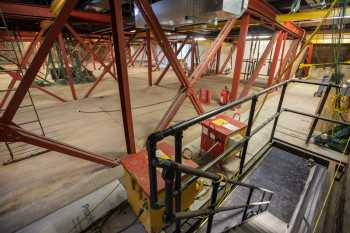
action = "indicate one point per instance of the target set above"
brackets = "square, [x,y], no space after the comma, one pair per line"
[155,46]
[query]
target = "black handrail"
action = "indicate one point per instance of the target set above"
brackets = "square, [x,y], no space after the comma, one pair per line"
[172,170]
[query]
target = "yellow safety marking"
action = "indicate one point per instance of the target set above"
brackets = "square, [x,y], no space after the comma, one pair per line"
[219,122]
[56,6]
[309,15]
[162,155]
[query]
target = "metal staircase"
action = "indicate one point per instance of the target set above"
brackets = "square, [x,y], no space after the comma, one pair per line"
[250,213]
[27,117]
[263,223]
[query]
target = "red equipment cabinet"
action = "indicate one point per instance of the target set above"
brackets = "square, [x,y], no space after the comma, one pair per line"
[218,132]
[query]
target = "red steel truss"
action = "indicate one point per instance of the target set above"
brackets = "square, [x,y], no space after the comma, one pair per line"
[122,57]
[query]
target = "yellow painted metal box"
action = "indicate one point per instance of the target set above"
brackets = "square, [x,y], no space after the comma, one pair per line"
[138,187]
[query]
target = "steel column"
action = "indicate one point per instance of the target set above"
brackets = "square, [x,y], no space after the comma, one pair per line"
[161,76]
[67,65]
[88,48]
[37,61]
[193,55]
[13,133]
[308,59]
[217,44]
[285,60]
[290,58]
[137,54]
[122,71]
[149,57]
[218,58]
[258,67]
[239,57]
[99,79]
[31,48]
[229,56]
[153,23]
[275,58]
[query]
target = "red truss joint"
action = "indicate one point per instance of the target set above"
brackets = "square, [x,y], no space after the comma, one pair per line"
[293,28]
[13,133]
[190,91]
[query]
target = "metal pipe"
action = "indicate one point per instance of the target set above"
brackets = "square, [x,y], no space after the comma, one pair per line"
[206,212]
[317,117]
[212,206]
[247,134]
[122,73]
[244,217]
[239,56]
[280,103]
[178,177]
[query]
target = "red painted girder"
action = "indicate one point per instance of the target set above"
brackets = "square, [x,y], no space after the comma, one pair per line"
[258,67]
[137,54]
[158,33]
[165,70]
[149,57]
[291,60]
[67,67]
[265,11]
[194,78]
[172,110]
[37,61]
[239,56]
[276,55]
[16,76]
[88,47]
[308,59]
[229,56]
[99,79]
[37,11]
[284,62]
[203,66]
[163,42]
[29,52]
[13,133]
[122,73]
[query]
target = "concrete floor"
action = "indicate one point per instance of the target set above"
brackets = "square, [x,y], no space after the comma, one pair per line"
[36,187]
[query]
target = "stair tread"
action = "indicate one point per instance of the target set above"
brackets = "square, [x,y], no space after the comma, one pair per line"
[262,223]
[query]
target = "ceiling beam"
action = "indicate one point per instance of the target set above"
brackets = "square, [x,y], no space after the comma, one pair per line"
[312,15]
[17,10]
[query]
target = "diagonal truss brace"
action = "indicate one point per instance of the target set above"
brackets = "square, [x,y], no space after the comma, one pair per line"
[187,84]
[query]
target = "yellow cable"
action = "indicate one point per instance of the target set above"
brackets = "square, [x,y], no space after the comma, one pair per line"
[329,190]
[298,55]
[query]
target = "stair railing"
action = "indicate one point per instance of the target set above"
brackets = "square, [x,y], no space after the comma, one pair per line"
[173,170]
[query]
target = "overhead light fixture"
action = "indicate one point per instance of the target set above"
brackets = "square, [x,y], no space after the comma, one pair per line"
[200,38]
[133,31]
[259,37]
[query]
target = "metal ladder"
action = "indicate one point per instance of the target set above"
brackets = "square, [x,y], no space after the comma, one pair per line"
[10,53]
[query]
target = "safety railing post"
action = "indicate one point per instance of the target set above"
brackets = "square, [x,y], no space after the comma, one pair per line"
[178,159]
[247,204]
[214,196]
[319,112]
[261,200]
[151,150]
[248,131]
[279,108]
[168,176]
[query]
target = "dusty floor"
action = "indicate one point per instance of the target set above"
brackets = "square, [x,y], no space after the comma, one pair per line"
[49,181]
[33,188]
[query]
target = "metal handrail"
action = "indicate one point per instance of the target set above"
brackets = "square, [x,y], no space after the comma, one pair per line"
[172,170]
